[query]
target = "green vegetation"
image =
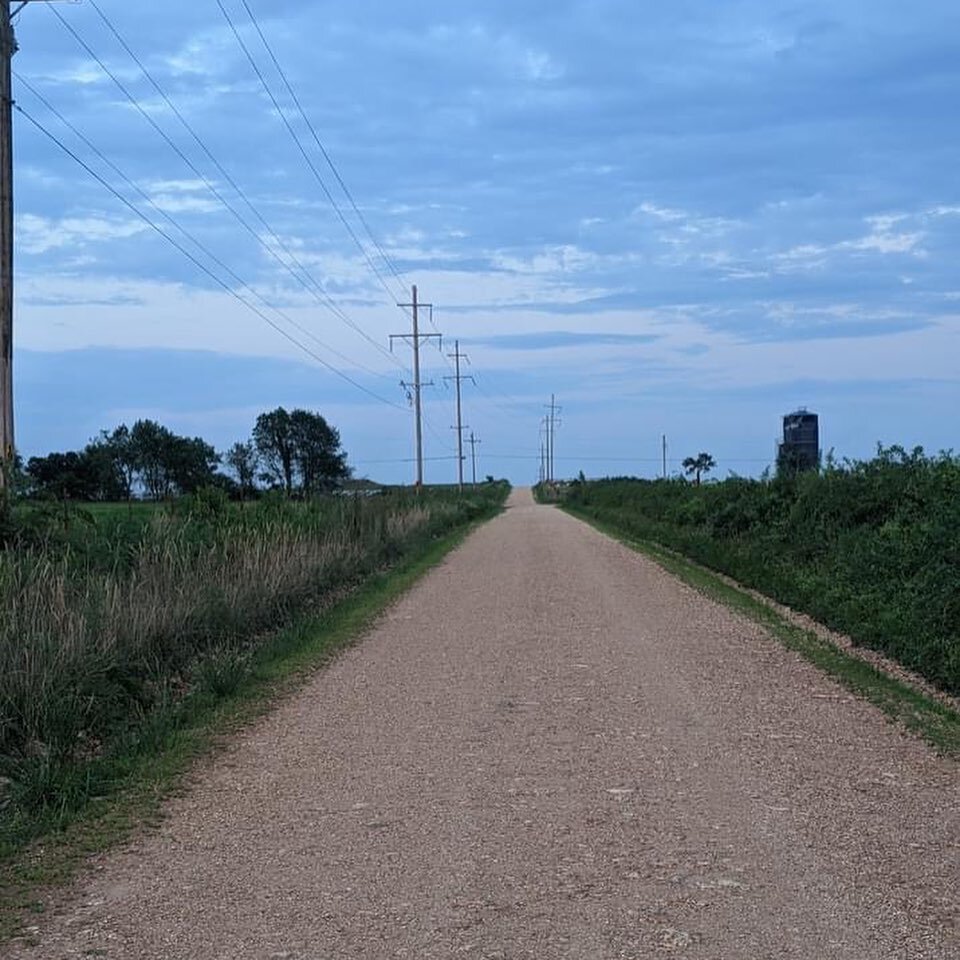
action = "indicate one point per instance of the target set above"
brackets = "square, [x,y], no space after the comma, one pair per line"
[296,451]
[123,626]
[698,465]
[870,548]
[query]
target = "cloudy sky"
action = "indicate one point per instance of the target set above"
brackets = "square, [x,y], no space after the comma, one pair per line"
[682,218]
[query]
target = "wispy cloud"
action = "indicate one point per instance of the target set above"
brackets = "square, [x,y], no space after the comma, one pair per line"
[38,235]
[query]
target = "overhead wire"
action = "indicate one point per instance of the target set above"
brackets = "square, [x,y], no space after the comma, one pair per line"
[330,163]
[303,151]
[186,233]
[211,187]
[326,155]
[323,150]
[318,289]
[198,263]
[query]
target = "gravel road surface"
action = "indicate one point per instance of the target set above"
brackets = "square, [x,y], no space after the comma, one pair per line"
[549,748]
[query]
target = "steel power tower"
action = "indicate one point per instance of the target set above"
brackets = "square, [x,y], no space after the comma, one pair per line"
[415,338]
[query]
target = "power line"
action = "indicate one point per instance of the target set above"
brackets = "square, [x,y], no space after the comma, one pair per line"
[187,234]
[358,463]
[199,264]
[306,156]
[657,460]
[321,147]
[317,287]
[322,296]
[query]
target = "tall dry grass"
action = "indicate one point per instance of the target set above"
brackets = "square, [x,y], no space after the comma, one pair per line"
[95,641]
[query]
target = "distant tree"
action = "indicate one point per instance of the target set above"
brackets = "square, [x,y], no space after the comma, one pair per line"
[191,463]
[273,437]
[299,448]
[700,464]
[62,475]
[317,454]
[152,451]
[110,478]
[120,449]
[167,464]
[242,459]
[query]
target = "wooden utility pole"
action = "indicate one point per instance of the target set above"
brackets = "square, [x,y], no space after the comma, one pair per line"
[8,47]
[473,441]
[544,429]
[417,384]
[664,452]
[552,424]
[457,356]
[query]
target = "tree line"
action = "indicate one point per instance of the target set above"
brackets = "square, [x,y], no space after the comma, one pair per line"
[296,451]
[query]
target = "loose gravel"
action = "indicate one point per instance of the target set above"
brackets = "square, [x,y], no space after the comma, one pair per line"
[550,748]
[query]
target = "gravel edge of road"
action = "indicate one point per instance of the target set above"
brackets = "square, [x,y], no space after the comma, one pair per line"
[906,699]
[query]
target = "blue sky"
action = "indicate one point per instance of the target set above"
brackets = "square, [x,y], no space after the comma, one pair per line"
[684,218]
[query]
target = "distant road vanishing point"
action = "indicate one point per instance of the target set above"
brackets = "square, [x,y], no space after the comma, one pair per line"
[549,748]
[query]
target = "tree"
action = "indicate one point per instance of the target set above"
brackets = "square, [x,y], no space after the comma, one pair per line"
[299,448]
[242,459]
[118,446]
[317,454]
[701,463]
[151,445]
[166,463]
[62,475]
[273,438]
[190,464]
[111,481]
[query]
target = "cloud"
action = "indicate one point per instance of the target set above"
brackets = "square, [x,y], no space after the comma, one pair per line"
[184,196]
[559,338]
[39,235]
[885,242]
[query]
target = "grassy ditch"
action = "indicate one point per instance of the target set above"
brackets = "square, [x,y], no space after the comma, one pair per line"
[903,704]
[126,645]
[871,549]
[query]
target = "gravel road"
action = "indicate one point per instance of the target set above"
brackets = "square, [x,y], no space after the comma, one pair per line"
[548,749]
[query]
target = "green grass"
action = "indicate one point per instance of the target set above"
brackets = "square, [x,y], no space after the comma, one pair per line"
[125,788]
[912,709]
